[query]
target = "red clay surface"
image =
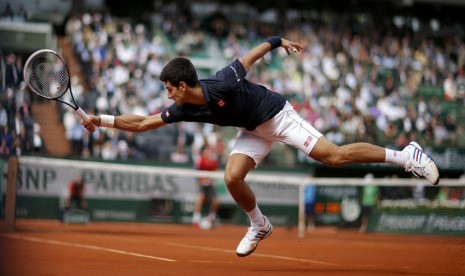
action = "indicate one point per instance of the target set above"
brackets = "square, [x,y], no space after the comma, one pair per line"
[39,247]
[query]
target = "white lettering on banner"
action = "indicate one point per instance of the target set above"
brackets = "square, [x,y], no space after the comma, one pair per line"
[426,223]
[43,180]
[104,182]
[48,177]
[35,179]
[395,222]
[110,214]
[445,223]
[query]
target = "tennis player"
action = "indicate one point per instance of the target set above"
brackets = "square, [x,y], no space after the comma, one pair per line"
[262,117]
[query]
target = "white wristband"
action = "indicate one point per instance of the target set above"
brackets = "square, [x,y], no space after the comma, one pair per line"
[107,120]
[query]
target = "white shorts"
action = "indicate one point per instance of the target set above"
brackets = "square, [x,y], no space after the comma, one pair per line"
[286,127]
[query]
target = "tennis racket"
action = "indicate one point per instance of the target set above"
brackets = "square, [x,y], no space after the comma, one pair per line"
[47,75]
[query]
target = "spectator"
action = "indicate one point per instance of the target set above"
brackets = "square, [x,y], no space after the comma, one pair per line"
[38,145]
[3,116]
[402,140]
[450,88]
[310,198]
[208,161]
[179,155]
[12,73]
[76,197]
[451,128]
[370,197]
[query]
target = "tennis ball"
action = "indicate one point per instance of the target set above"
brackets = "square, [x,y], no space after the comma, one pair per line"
[205,224]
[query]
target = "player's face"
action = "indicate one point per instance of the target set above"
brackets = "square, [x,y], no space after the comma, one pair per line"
[175,93]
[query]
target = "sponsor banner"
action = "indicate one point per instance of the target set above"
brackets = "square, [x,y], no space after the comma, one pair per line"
[45,177]
[449,222]
[37,207]
[116,192]
[155,210]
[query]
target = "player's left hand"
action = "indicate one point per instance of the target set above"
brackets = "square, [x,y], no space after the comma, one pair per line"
[291,46]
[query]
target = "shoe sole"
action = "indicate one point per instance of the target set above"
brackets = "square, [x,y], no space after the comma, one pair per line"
[437,179]
[247,254]
[418,147]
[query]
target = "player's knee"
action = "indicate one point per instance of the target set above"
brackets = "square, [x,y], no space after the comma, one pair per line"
[329,153]
[231,179]
[329,161]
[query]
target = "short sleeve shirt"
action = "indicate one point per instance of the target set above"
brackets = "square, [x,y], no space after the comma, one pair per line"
[231,100]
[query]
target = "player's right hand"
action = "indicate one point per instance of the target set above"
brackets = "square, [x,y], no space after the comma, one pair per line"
[91,124]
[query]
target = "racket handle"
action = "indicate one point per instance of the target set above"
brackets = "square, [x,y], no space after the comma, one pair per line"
[83,115]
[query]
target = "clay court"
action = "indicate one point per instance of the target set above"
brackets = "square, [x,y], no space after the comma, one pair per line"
[39,247]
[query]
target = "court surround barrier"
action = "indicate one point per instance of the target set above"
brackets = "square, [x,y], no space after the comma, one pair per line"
[119,192]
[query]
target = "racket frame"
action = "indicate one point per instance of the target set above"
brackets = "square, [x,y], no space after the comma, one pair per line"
[81,113]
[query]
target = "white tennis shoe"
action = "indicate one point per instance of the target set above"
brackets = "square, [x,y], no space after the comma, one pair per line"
[420,164]
[254,235]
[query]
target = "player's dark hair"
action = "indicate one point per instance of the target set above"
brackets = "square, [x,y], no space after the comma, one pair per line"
[179,69]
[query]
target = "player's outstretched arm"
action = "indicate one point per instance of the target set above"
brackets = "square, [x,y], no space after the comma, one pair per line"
[133,123]
[259,51]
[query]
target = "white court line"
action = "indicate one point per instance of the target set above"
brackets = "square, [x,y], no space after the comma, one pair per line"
[254,254]
[34,239]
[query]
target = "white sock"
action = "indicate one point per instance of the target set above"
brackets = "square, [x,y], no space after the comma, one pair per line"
[396,157]
[196,218]
[256,217]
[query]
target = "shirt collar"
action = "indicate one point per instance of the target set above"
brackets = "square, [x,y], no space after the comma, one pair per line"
[204,88]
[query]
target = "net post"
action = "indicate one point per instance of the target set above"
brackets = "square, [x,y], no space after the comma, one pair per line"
[10,204]
[302,219]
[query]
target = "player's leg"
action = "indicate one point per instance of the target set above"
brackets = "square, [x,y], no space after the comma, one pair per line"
[68,203]
[83,203]
[300,134]
[197,215]
[248,151]
[214,204]
[236,170]
[330,154]
[411,158]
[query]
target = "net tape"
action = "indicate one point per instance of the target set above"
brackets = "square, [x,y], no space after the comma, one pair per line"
[284,178]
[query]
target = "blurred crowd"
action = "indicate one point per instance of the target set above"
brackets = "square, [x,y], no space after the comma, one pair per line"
[19,132]
[366,85]
[354,81]
[122,63]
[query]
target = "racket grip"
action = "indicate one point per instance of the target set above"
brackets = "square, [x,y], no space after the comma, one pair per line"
[83,115]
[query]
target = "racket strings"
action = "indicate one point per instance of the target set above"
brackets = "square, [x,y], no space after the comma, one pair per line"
[47,75]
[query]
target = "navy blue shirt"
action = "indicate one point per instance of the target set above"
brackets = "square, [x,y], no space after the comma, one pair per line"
[231,101]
